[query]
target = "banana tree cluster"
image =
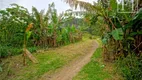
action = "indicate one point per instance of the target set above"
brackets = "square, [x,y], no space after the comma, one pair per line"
[53,30]
[123,29]
[122,37]
[49,28]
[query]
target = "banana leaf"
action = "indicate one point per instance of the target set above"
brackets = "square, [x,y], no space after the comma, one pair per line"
[117,34]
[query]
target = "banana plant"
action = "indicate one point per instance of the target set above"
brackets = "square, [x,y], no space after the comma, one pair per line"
[25,50]
[119,25]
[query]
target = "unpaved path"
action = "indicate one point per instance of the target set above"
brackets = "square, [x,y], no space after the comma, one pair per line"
[71,69]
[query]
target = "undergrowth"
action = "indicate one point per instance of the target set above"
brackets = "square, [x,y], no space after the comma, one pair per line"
[130,67]
[6,51]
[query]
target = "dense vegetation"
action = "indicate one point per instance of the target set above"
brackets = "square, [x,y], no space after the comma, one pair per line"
[121,33]
[122,36]
[49,29]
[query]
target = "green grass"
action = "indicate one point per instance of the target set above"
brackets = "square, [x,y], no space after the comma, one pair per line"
[94,70]
[49,62]
[46,63]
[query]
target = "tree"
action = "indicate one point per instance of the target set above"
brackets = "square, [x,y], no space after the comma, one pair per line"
[117,23]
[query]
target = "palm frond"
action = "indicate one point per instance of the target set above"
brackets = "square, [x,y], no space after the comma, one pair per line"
[83,5]
[36,13]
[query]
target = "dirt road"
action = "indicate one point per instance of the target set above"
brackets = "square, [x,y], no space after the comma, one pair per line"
[71,69]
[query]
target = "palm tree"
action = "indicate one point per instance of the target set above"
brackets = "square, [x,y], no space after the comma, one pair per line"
[47,23]
[41,22]
[83,5]
[99,8]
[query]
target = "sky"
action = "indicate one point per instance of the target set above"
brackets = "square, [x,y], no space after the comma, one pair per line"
[60,5]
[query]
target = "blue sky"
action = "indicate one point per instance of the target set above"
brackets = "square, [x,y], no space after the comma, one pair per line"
[39,4]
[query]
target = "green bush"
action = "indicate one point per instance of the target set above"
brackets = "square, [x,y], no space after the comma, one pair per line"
[6,51]
[130,67]
[32,49]
[11,51]
[15,51]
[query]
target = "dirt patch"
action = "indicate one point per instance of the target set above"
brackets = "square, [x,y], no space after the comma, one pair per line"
[71,69]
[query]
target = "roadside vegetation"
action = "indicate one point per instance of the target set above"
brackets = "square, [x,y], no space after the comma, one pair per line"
[49,61]
[121,33]
[39,32]
[98,69]
[94,70]
[49,29]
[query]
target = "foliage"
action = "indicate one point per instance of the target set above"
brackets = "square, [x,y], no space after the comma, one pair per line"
[49,61]
[15,18]
[6,51]
[105,38]
[49,29]
[121,26]
[122,35]
[117,34]
[130,67]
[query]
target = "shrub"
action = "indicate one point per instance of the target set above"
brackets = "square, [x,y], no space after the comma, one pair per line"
[130,67]
[32,49]
[11,51]
[6,51]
